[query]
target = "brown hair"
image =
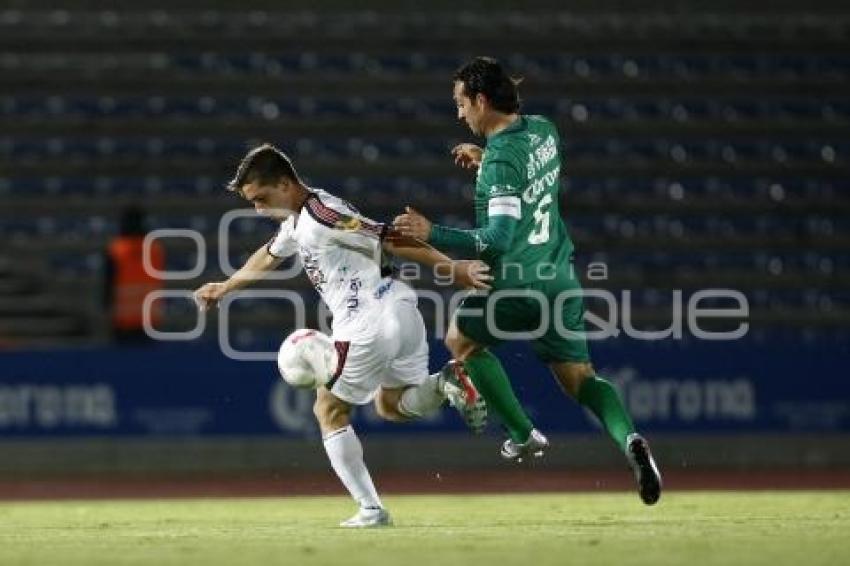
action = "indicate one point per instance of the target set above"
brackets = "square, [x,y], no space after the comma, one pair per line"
[266,164]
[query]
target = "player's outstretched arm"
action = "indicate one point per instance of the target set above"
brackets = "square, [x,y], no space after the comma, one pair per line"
[260,263]
[413,224]
[495,239]
[466,274]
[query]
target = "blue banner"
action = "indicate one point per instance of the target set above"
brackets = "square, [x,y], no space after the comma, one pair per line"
[173,390]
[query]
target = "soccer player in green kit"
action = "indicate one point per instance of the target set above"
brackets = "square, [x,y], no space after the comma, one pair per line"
[521,235]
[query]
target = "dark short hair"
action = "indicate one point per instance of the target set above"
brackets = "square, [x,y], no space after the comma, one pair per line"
[266,164]
[486,76]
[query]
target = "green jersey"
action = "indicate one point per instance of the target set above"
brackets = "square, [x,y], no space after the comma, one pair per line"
[519,177]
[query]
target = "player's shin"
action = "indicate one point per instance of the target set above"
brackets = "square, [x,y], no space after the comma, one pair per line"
[598,395]
[486,372]
[346,455]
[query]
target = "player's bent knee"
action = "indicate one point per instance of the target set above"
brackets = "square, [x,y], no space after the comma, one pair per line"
[571,375]
[386,405]
[382,410]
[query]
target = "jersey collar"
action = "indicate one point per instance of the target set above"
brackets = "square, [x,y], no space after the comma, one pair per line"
[516,126]
[310,195]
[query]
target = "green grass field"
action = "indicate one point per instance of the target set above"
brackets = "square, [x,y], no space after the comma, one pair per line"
[728,528]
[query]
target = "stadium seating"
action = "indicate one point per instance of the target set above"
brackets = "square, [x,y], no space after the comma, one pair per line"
[700,144]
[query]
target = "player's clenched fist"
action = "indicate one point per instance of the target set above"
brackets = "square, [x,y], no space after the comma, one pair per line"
[209,294]
[412,224]
[467,155]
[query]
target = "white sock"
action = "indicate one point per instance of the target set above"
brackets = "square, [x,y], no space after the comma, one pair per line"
[423,399]
[346,455]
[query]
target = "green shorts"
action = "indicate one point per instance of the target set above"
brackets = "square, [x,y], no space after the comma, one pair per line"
[549,314]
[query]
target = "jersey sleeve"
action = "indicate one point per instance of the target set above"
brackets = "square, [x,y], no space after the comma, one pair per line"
[502,182]
[283,244]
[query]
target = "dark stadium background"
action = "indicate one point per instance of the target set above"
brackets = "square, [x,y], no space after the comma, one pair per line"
[705,146]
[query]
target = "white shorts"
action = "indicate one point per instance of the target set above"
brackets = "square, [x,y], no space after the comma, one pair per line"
[394,356]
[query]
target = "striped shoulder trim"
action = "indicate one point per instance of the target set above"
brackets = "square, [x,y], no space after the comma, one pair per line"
[338,221]
[321,213]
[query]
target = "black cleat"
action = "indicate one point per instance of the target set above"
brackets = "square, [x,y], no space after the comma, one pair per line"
[646,472]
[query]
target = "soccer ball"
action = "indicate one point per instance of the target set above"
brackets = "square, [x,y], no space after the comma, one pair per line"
[307,359]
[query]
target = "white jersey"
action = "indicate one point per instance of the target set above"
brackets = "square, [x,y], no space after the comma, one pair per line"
[342,255]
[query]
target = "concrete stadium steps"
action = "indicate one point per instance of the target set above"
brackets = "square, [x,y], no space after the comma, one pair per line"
[32,311]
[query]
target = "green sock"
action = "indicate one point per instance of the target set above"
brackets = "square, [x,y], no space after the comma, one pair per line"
[598,395]
[486,372]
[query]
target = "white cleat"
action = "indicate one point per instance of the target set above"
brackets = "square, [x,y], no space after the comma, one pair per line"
[533,447]
[369,518]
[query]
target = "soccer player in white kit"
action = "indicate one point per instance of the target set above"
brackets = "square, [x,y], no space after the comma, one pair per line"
[377,328]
